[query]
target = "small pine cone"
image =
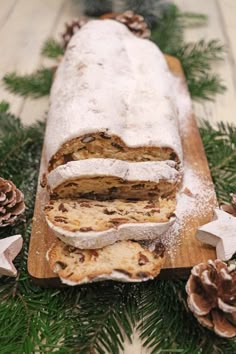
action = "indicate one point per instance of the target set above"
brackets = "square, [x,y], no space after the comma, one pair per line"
[230,208]
[11,203]
[70,29]
[134,22]
[211,290]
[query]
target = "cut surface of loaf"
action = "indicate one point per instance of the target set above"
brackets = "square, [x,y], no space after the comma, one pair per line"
[125,261]
[103,179]
[108,146]
[112,98]
[86,223]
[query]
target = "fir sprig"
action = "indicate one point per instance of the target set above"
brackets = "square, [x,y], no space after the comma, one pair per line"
[168,31]
[52,49]
[34,85]
[220,147]
[205,87]
[196,58]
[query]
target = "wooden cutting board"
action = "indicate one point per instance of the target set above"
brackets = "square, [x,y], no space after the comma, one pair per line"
[188,253]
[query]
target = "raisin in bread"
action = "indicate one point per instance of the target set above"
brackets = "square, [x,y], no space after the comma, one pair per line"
[109,179]
[111,98]
[91,224]
[125,261]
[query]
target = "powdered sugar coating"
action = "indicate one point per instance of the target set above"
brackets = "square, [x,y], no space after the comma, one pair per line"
[111,80]
[152,171]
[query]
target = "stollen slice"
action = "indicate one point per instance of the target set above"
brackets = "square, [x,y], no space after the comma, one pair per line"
[99,178]
[92,224]
[124,261]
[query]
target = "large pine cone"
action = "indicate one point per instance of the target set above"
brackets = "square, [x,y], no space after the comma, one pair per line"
[11,203]
[71,29]
[211,292]
[134,22]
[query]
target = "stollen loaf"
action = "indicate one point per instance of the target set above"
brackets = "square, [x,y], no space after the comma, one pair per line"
[114,156]
[111,98]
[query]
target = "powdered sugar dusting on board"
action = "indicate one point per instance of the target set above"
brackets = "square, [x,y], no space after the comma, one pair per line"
[197,198]
[194,201]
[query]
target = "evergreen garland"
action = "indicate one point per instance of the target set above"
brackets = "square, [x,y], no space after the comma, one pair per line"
[97,318]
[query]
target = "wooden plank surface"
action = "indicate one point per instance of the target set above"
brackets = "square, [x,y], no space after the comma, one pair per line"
[188,252]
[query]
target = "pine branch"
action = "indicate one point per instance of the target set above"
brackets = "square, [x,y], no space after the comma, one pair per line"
[219,146]
[4,106]
[168,31]
[205,87]
[52,49]
[103,331]
[34,85]
[191,19]
[196,58]
[168,325]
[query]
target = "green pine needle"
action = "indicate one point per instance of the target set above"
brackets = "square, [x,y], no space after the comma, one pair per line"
[168,325]
[196,58]
[34,85]
[52,49]
[206,87]
[168,32]
[190,19]
[4,106]
[220,147]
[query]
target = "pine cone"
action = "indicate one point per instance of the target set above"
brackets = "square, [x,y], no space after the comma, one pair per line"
[71,29]
[211,291]
[231,209]
[11,203]
[134,22]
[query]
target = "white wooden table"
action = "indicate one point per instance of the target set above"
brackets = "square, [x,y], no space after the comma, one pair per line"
[25,24]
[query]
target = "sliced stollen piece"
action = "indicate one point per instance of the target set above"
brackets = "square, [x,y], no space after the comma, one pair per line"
[91,224]
[109,179]
[124,261]
[111,98]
